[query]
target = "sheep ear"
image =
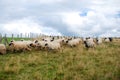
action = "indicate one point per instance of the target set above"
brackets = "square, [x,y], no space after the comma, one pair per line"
[36,41]
[11,44]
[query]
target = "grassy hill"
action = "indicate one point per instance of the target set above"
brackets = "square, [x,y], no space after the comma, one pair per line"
[78,63]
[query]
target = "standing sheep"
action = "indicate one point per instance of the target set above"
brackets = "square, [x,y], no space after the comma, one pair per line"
[73,42]
[89,42]
[98,40]
[40,44]
[106,40]
[53,45]
[18,46]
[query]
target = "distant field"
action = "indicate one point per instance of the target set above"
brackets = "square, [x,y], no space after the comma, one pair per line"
[102,63]
[15,38]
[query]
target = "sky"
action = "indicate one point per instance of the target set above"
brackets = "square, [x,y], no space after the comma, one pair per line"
[61,17]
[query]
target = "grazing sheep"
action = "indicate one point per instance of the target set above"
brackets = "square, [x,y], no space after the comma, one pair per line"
[73,42]
[40,44]
[18,46]
[89,43]
[53,45]
[99,41]
[2,49]
[106,40]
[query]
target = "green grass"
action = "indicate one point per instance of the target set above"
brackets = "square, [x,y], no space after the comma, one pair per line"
[102,63]
[15,38]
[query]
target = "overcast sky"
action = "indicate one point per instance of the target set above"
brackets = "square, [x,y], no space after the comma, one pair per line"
[61,17]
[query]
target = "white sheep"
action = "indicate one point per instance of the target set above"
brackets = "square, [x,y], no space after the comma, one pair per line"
[73,42]
[41,44]
[2,49]
[99,41]
[53,45]
[108,39]
[89,43]
[18,46]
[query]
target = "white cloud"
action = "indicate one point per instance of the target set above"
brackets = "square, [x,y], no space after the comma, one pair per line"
[93,23]
[99,16]
[72,18]
[28,26]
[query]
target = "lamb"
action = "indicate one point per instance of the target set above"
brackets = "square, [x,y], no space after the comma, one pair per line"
[2,49]
[18,46]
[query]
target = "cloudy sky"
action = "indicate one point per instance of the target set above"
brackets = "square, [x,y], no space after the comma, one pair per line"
[61,17]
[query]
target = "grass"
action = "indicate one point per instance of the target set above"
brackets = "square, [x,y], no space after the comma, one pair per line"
[15,38]
[102,63]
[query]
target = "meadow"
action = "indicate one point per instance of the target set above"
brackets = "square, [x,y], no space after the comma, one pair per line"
[78,63]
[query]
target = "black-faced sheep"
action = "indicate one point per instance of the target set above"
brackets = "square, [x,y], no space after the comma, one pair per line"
[99,41]
[73,42]
[53,45]
[89,43]
[18,46]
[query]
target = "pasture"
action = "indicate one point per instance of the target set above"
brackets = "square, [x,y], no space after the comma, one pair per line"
[77,63]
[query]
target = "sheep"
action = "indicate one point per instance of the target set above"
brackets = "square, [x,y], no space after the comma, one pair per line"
[53,45]
[28,43]
[89,43]
[106,40]
[40,44]
[98,40]
[18,46]
[2,49]
[73,42]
